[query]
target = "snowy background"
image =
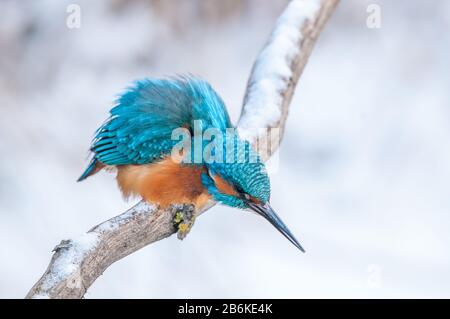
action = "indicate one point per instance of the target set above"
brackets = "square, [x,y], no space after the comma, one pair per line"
[364,177]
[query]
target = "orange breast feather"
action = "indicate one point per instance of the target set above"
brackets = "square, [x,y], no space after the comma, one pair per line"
[164,182]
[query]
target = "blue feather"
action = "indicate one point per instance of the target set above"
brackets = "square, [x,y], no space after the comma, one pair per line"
[88,170]
[141,123]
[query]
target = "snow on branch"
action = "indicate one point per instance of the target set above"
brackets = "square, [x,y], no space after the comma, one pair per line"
[78,262]
[277,69]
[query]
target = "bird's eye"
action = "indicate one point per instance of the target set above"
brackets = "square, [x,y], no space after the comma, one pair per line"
[246,196]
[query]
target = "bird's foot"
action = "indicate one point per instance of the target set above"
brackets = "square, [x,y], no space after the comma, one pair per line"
[184,219]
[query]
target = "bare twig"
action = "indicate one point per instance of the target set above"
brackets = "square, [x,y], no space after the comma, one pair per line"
[77,263]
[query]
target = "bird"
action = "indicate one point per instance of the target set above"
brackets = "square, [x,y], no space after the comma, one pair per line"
[137,142]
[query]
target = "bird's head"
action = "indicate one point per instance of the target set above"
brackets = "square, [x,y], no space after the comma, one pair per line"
[245,185]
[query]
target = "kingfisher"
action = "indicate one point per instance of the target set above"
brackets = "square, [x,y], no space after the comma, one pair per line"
[137,142]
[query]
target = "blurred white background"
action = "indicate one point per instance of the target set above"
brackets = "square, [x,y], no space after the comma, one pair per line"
[364,167]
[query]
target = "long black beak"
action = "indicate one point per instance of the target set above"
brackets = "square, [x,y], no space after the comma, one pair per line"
[267,212]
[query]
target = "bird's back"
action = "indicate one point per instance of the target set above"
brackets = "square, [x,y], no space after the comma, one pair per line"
[139,129]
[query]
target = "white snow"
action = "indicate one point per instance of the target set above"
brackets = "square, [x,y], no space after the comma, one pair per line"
[272,70]
[73,253]
[141,207]
[70,258]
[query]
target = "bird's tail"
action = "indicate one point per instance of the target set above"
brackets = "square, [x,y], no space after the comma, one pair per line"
[94,167]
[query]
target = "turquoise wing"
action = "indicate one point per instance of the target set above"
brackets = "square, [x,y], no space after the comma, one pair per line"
[140,126]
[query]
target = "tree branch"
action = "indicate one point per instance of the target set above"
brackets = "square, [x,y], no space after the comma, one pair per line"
[77,263]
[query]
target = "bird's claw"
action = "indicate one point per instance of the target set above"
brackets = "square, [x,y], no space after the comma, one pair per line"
[184,219]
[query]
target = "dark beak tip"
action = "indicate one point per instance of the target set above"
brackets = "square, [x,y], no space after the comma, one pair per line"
[300,247]
[267,212]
